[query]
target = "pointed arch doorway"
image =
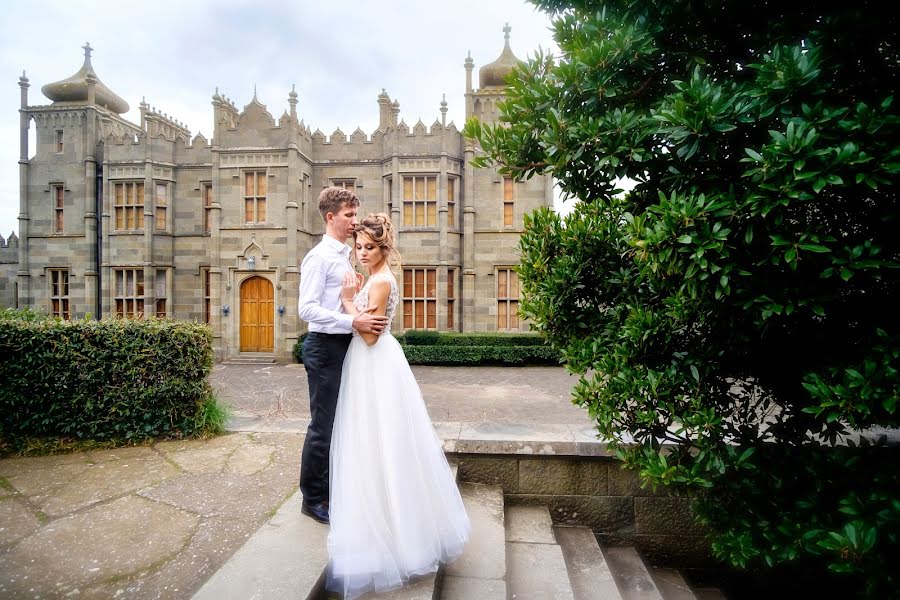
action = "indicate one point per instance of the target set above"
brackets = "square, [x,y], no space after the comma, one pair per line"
[257,315]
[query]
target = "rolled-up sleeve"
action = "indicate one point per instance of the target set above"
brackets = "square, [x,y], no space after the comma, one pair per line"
[313,275]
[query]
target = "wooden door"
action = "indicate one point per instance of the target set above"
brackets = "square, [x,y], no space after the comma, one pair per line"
[257,316]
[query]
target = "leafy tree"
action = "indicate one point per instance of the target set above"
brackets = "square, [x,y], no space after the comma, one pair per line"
[736,314]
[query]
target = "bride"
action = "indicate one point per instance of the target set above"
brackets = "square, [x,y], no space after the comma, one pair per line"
[396,512]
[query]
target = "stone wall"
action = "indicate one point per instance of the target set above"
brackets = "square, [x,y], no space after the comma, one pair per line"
[9,266]
[596,492]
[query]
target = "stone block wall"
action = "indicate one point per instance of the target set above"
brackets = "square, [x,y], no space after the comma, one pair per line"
[596,492]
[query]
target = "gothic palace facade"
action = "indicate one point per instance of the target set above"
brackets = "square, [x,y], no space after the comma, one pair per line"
[124,219]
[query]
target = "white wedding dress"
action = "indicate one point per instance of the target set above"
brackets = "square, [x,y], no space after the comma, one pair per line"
[395,509]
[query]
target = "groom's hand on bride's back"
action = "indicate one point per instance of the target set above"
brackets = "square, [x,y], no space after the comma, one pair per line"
[366,322]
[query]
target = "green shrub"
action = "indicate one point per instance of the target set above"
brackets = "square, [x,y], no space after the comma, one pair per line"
[740,303]
[480,355]
[105,380]
[415,337]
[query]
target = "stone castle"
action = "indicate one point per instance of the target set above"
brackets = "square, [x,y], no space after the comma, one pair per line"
[125,219]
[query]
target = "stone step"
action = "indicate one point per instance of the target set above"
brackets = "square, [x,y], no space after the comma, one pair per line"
[480,572]
[285,558]
[249,361]
[632,577]
[536,568]
[588,570]
[672,585]
[420,589]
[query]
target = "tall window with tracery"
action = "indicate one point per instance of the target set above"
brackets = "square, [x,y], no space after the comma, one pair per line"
[207,193]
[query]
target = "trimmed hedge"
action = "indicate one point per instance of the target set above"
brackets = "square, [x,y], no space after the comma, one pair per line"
[480,355]
[105,380]
[436,338]
[469,349]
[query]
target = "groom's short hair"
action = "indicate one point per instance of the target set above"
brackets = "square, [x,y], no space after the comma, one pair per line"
[333,198]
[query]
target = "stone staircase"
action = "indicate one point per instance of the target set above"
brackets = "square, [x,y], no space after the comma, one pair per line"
[514,552]
[251,358]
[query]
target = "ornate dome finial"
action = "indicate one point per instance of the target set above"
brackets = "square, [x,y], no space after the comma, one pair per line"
[494,75]
[75,88]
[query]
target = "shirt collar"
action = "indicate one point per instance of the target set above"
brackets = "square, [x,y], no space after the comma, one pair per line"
[339,247]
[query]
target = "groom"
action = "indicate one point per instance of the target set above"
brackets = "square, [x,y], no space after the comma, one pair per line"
[321,278]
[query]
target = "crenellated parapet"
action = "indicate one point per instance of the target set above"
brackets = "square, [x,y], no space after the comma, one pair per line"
[160,124]
[225,112]
[9,249]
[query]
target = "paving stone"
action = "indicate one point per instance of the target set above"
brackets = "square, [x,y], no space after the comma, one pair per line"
[213,494]
[203,456]
[470,588]
[17,520]
[249,459]
[113,540]
[43,476]
[588,570]
[537,572]
[105,480]
[529,524]
[484,557]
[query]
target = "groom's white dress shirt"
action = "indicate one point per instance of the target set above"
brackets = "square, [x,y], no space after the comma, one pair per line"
[321,278]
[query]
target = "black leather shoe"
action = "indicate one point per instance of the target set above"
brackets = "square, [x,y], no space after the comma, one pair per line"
[317,512]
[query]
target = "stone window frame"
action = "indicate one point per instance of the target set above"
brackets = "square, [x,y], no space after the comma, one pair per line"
[206,198]
[161,208]
[207,294]
[419,303]
[507,302]
[60,301]
[453,182]
[162,292]
[128,300]
[58,197]
[59,141]
[508,205]
[410,206]
[258,200]
[452,289]
[135,209]
[346,183]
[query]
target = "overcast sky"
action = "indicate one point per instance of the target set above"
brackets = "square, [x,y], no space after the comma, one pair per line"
[339,54]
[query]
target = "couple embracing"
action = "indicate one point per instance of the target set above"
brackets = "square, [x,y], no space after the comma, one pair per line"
[372,466]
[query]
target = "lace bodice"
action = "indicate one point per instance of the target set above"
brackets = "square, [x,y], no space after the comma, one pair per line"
[361,298]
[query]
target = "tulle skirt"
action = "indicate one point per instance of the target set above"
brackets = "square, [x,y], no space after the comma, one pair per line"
[395,508]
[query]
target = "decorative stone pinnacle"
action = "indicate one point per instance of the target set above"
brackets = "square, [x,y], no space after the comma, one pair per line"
[506,30]
[87,50]
[293,94]
[443,102]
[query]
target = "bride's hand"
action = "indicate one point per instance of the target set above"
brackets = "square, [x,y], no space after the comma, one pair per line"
[350,286]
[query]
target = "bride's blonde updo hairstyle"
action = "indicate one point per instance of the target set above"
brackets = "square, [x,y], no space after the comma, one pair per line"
[379,229]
